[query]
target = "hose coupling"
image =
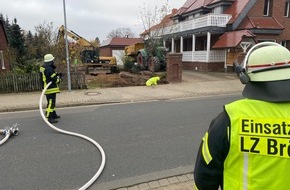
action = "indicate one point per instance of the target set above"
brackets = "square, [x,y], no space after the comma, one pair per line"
[13,130]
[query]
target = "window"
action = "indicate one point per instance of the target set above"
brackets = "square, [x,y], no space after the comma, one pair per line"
[197,15]
[286,11]
[218,10]
[2,59]
[267,4]
[284,43]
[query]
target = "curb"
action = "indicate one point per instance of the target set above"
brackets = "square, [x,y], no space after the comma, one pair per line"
[184,181]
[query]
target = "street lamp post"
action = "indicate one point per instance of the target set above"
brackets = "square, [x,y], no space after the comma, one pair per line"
[66,50]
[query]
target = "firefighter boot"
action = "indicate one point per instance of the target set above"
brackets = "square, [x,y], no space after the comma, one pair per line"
[55,116]
[51,119]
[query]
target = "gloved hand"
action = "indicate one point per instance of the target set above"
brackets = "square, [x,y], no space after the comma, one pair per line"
[60,75]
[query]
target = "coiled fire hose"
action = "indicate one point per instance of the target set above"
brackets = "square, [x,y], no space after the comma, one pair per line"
[95,177]
[8,131]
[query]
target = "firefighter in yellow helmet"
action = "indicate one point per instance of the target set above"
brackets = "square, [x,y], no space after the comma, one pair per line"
[48,74]
[247,146]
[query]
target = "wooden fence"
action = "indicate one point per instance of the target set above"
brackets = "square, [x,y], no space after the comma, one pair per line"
[10,83]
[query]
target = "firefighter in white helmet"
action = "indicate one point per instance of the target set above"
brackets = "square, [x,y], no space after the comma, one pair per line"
[48,74]
[247,146]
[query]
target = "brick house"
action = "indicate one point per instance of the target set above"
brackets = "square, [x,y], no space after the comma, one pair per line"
[4,61]
[211,34]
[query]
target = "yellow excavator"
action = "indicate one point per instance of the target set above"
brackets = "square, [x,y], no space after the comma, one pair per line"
[89,54]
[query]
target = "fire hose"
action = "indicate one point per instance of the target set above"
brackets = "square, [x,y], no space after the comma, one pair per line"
[9,131]
[99,171]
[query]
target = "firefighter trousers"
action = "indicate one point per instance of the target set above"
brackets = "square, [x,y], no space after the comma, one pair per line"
[50,107]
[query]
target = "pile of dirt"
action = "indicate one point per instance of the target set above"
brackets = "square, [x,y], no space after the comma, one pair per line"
[121,79]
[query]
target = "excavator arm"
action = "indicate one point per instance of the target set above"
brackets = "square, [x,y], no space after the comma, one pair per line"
[80,40]
[89,53]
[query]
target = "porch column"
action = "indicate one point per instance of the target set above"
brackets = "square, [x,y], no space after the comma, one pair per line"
[208,46]
[193,48]
[181,44]
[164,43]
[226,64]
[172,45]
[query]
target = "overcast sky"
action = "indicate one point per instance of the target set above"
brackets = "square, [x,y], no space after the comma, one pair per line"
[88,18]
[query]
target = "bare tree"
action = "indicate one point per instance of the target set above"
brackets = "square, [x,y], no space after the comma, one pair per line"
[154,22]
[121,33]
[46,33]
[47,42]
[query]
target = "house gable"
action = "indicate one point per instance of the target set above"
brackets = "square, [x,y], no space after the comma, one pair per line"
[3,37]
[4,64]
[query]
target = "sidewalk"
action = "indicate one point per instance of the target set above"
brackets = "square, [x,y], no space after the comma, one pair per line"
[194,84]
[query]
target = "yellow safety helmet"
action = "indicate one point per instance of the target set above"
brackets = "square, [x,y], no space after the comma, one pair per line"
[267,61]
[48,58]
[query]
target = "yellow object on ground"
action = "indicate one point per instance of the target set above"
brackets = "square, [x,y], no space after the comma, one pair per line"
[152,81]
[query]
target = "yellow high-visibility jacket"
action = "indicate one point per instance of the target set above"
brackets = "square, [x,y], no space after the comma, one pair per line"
[152,81]
[259,154]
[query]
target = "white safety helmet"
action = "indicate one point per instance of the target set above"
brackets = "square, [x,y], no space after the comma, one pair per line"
[48,58]
[267,61]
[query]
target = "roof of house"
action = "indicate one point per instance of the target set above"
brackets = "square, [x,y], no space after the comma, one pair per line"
[235,9]
[121,41]
[233,38]
[261,23]
[214,1]
[191,5]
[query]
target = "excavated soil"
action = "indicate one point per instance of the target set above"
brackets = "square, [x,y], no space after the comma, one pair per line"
[121,79]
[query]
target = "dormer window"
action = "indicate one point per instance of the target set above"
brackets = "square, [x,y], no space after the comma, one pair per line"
[267,7]
[218,10]
[286,12]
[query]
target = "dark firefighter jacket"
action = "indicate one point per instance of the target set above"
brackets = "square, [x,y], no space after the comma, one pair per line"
[48,74]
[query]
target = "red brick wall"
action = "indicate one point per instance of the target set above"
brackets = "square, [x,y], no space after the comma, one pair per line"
[202,66]
[174,67]
[107,51]
[278,14]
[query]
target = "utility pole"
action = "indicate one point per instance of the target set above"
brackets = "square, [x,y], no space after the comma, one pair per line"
[66,50]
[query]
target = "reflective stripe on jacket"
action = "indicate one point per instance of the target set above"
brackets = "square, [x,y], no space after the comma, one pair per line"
[259,154]
[47,75]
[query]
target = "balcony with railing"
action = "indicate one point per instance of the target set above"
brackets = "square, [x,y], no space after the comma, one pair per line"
[218,20]
[204,56]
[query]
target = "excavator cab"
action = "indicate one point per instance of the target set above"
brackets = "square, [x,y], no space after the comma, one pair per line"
[90,56]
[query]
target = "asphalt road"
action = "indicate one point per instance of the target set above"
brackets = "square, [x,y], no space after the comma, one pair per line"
[139,139]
